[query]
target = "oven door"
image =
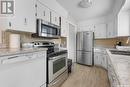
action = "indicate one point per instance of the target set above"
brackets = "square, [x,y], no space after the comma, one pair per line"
[57,65]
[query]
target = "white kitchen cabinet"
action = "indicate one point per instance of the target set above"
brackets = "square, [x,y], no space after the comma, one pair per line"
[23,70]
[42,12]
[64,27]
[100,59]
[24,17]
[97,61]
[104,61]
[86,28]
[119,26]
[100,31]
[55,18]
[112,28]
[124,23]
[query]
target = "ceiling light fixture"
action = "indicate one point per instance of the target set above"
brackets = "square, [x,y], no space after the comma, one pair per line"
[85,3]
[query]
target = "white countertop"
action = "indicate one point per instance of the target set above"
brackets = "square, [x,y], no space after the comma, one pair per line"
[7,52]
[121,64]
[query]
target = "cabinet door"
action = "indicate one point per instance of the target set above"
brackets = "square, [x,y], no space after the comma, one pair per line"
[100,31]
[97,59]
[39,10]
[64,27]
[55,18]
[29,18]
[104,61]
[86,28]
[111,31]
[42,12]
[24,16]
[124,23]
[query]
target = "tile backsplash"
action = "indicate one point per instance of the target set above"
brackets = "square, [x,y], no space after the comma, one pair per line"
[26,37]
[111,42]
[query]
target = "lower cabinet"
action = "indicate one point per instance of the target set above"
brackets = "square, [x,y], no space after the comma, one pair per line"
[114,82]
[100,59]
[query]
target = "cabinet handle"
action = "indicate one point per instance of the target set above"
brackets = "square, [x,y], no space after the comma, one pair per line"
[10,24]
[55,19]
[44,13]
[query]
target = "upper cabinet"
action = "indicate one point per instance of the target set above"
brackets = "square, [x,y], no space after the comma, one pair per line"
[123,25]
[112,29]
[86,28]
[24,16]
[64,27]
[119,26]
[42,12]
[100,31]
[55,18]
[45,13]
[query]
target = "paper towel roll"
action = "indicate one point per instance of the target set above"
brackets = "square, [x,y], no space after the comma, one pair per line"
[14,41]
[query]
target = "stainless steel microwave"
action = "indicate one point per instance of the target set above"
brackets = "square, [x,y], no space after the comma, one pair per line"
[46,29]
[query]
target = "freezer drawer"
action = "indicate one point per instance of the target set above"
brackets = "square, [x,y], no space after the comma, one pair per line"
[84,58]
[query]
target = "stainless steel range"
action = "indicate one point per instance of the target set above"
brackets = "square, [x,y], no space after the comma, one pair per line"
[57,71]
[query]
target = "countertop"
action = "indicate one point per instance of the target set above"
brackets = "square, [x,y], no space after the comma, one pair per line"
[121,65]
[8,52]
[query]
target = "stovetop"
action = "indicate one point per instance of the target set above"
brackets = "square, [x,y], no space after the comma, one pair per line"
[52,51]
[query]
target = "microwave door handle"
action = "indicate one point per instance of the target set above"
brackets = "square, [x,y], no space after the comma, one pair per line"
[39,22]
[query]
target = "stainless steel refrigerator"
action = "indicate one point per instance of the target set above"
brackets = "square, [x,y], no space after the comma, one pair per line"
[84,50]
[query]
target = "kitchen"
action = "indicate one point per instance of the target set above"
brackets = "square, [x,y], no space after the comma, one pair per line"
[64,43]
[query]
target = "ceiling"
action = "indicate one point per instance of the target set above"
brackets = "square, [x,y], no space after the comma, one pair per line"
[98,8]
[126,5]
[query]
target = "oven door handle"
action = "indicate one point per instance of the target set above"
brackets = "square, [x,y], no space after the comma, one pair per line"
[58,57]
